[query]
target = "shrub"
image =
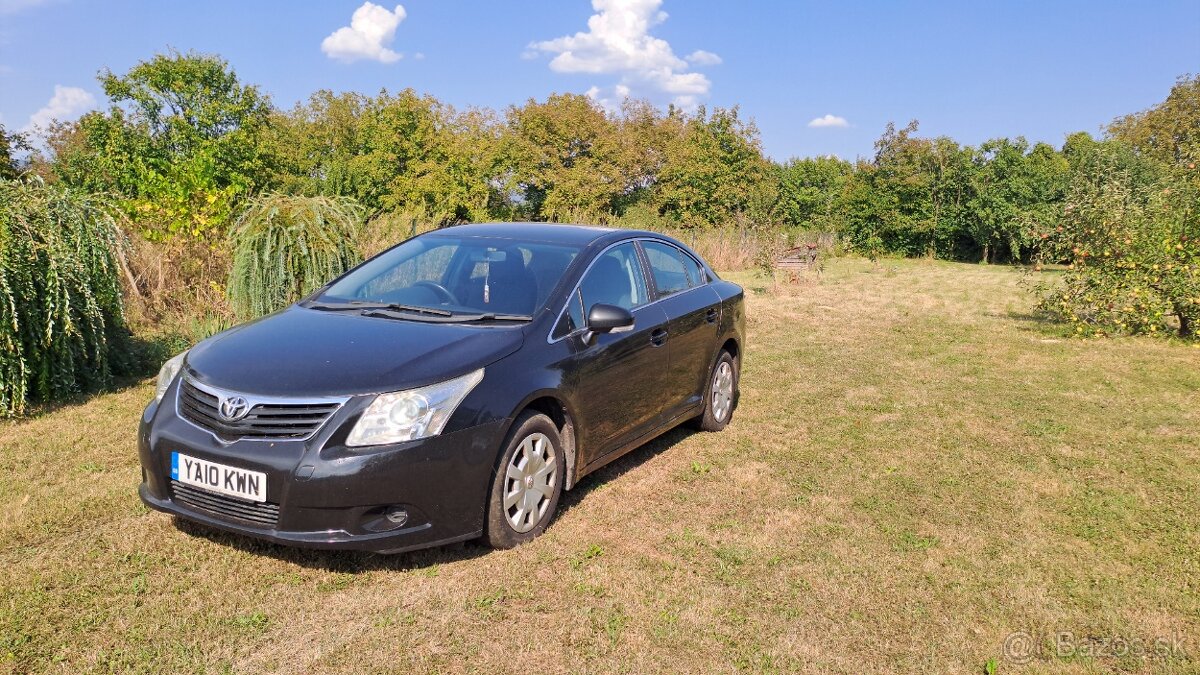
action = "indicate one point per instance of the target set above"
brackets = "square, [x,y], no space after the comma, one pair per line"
[62,325]
[1131,235]
[286,247]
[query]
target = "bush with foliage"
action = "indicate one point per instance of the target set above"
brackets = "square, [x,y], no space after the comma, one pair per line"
[10,145]
[181,142]
[286,247]
[1131,236]
[62,325]
[1131,226]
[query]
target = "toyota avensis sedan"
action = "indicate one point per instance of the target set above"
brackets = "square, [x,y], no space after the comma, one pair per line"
[450,388]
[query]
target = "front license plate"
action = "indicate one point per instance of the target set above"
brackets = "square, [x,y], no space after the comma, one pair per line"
[227,480]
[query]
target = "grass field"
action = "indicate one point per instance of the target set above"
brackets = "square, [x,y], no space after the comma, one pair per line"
[918,470]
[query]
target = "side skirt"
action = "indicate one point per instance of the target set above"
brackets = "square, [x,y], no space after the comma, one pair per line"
[638,442]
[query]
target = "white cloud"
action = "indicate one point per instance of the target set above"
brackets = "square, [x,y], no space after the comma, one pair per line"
[829,121]
[369,36]
[66,104]
[618,42]
[701,57]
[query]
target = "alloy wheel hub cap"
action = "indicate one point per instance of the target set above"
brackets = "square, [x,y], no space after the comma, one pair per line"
[529,482]
[722,391]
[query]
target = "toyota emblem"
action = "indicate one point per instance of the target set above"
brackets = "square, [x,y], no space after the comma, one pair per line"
[234,408]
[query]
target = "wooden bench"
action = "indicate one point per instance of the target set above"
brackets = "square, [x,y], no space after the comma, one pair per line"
[798,259]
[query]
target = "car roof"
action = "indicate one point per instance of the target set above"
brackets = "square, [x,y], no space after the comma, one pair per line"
[548,233]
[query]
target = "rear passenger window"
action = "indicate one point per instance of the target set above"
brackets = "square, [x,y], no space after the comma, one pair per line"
[666,265]
[696,274]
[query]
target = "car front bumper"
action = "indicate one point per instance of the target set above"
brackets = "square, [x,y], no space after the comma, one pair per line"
[323,495]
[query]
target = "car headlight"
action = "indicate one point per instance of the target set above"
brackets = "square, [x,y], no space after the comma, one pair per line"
[166,374]
[408,415]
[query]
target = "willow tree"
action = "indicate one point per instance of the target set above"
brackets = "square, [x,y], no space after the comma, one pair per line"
[285,247]
[62,325]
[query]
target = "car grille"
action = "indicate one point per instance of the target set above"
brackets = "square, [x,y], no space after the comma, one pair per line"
[226,507]
[296,420]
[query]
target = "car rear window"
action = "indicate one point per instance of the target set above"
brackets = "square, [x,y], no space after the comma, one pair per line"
[667,267]
[696,274]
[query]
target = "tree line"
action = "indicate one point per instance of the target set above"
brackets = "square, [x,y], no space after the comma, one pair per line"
[184,149]
[183,142]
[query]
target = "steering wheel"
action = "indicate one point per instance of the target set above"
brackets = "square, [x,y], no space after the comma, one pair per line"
[439,290]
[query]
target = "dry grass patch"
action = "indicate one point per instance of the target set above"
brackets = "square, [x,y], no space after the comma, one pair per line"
[917,470]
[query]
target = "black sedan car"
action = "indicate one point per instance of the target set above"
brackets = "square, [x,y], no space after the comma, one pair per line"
[449,388]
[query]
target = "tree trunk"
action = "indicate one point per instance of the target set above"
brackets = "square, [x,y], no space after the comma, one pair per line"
[986,247]
[1186,330]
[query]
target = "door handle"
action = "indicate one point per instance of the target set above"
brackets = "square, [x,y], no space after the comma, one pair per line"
[711,315]
[658,337]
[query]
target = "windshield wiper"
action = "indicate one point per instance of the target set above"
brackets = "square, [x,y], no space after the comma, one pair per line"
[378,306]
[448,317]
[432,311]
[491,316]
[395,310]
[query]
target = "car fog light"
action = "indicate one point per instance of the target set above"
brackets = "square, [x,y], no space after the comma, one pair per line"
[397,516]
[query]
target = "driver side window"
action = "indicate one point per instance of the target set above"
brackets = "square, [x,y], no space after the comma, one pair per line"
[615,279]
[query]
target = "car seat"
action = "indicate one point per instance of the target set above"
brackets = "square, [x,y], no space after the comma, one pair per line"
[511,287]
[607,283]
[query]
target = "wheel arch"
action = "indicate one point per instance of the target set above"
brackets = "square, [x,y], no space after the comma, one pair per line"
[550,404]
[731,345]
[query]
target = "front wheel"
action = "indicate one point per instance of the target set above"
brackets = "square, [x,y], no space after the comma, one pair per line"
[527,484]
[720,397]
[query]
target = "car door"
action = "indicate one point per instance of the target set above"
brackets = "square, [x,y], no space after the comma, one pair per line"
[617,376]
[693,314]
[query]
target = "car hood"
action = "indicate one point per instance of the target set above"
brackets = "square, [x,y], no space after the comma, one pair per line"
[305,352]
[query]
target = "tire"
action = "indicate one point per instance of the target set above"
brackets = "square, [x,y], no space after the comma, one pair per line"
[519,508]
[718,410]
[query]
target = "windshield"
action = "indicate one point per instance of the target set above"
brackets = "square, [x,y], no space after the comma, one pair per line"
[458,275]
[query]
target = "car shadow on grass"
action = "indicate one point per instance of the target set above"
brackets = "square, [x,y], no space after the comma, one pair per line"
[355,562]
[346,562]
[630,462]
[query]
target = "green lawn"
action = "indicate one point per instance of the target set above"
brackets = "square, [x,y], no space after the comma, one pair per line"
[917,471]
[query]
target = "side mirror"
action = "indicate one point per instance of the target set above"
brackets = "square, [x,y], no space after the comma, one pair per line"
[607,319]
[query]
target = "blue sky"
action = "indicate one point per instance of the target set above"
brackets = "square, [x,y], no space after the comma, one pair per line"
[971,70]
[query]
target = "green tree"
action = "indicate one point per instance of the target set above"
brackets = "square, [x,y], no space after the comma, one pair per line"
[401,152]
[810,190]
[1168,132]
[1130,232]
[181,142]
[285,247]
[911,198]
[10,144]
[567,158]
[62,323]
[1017,194]
[715,173]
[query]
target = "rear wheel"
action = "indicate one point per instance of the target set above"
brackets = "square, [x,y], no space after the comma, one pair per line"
[720,397]
[527,484]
